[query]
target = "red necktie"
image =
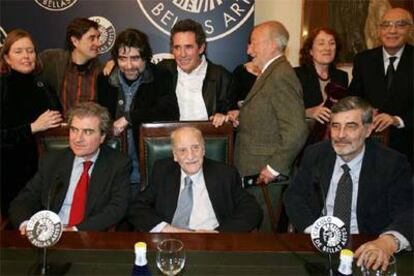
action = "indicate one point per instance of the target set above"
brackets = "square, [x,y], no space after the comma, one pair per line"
[77,209]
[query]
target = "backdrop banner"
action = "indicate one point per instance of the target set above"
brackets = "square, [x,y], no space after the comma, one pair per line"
[227,23]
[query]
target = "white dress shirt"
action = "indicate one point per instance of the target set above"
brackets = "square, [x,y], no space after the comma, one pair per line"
[189,93]
[202,215]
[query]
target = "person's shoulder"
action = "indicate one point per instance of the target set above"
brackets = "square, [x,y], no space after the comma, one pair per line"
[53,52]
[384,155]
[168,64]
[319,149]
[223,168]
[112,155]
[217,69]
[56,156]
[368,54]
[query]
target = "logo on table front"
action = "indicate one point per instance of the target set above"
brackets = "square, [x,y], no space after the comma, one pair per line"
[329,234]
[56,5]
[108,33]
[3,36]
[44,229]
[219,18]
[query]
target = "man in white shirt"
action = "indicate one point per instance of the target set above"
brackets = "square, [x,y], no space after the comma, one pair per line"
[381,192]
[201,86]
[192,193]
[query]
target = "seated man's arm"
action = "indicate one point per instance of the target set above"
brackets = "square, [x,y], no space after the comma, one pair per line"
[116,207]
[246,214]
[400,233]
[29,200]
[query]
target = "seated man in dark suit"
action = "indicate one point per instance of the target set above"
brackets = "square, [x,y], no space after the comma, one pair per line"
[380,193]
[193,193]
[86,184]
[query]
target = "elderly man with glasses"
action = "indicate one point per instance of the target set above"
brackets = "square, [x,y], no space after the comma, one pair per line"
[384,77]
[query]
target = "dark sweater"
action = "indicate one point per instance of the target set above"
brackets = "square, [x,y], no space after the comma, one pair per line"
[23,100]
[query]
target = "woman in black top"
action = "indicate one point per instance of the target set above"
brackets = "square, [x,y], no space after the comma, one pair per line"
[28,106]
[321,81]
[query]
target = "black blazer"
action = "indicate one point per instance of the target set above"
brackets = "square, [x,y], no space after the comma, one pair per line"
[107,193]
[369,83]
[215,88]
[312,95]
[235,209]
[385,193]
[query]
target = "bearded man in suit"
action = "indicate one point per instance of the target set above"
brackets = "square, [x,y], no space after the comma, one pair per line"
[271,122]
[86,184]
[384,77]
[378,193]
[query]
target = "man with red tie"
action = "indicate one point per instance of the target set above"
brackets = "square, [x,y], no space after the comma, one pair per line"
[86,184]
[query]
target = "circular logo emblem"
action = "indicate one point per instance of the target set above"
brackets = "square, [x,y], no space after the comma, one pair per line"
[44,229]
[219,18]
[56,5]
[3,36]
[108,33]
[329,234]
[160,56]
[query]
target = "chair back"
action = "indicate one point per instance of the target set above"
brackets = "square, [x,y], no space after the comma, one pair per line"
[58,138]
[154,143]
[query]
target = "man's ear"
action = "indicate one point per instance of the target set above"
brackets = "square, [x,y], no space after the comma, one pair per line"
[370,129]
[103,138]
[202,49]
[75,41]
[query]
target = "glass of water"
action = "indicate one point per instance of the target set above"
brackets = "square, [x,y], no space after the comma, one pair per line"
[391,269]
[170,256]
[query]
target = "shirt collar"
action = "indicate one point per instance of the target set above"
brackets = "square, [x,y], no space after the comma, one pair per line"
[270,62]
[200,70]
[354,162]
[386,55]
[80,160]
[195,177]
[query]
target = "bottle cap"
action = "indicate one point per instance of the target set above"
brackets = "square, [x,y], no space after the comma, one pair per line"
[140,246]
[347,255]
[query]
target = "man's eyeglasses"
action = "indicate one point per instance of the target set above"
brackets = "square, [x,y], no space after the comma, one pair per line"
[397,24]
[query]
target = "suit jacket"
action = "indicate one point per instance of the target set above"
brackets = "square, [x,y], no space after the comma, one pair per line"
[369,83]
[272,126]
[107,193]
[312,94]
[385,192]
[235,209]
[215,85]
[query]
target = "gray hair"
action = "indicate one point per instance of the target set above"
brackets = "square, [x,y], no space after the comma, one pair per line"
[91,109]
[278,33]
[352,103]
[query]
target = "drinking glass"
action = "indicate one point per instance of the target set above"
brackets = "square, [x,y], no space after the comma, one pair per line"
[170,256]
[391,269]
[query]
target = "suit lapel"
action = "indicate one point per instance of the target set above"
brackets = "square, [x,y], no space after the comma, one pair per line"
[172,191]
[62,182]
[261,80]
[212,185]
[326,171]
[365,178]
[98,180]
